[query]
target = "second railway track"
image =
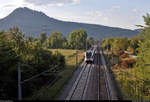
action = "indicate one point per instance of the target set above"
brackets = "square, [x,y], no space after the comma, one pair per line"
[103,88]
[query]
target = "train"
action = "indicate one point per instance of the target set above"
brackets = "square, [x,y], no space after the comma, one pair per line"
[89,55]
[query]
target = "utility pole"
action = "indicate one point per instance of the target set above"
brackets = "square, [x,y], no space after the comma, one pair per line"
[107,54]
[86,45]
[76,58]
[112,56]
[19,83]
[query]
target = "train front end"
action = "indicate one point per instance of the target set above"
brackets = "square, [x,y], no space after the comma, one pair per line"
[89,57]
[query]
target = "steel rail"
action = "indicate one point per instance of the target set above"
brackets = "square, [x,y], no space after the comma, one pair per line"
[98,62]
[74,92]
[76,83]
[87,83]
[106,81]
[110,91]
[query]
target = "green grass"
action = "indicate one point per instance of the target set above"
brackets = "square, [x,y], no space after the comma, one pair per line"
[70,55]
[54,91]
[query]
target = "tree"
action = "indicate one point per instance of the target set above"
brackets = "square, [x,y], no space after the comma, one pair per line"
[16,39]
[57,40]
[77,39]
[43,37]
[144,45]
[134,44]
[107,43]
[144,56]
[34,59]
[90,42]
[119,45]
[8,62]
[30,39]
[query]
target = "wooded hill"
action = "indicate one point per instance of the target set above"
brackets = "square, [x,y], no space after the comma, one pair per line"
[33,23]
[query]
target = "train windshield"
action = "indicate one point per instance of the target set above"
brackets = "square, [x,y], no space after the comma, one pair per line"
[88,54]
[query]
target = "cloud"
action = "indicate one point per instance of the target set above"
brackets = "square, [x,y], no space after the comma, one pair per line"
[9,5]
[94,13]
[134,10]
[116,7]
[97,16]
[52,2]
[106,18]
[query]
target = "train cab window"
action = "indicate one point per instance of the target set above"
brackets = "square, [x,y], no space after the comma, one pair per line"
[88,54]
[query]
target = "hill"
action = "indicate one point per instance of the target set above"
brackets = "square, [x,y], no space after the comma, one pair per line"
[33,22]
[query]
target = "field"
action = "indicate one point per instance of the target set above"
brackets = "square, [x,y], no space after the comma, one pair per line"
[53,91]
[70,55]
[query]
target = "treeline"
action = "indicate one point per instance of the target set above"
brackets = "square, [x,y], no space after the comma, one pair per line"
[121,48]
[32,58]
[77,39]
[119,44]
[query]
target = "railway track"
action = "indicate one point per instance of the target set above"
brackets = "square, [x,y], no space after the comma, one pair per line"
[101,86]
[102,80]
[80,86]
[110,87]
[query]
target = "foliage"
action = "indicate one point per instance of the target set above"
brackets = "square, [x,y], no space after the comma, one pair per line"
[133,44]
[128,63]
[52,92]
[77,39]
[144,55]
[43,38]
[136,85]
[57,40]
[34,59]
[107,43]
[124,55]
[131,50]
[90,41]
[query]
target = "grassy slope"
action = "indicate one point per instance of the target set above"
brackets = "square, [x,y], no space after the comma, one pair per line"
[54,91]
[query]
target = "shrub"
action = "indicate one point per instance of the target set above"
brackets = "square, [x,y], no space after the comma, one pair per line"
[128,62]
[124,55]
[131,50]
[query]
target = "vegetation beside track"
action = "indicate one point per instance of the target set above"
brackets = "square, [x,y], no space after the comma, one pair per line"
[132,67]
[53,91]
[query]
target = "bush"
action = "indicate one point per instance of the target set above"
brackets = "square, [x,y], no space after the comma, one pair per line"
[124,55]
[128,63]
[131,50]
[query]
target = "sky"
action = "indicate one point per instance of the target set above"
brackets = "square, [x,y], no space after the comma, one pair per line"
[115,13]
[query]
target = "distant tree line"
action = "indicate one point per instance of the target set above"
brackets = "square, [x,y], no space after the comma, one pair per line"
[117,47]
[120,44]
[76,40]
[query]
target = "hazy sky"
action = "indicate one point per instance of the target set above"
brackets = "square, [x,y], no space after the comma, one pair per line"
[116,13]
